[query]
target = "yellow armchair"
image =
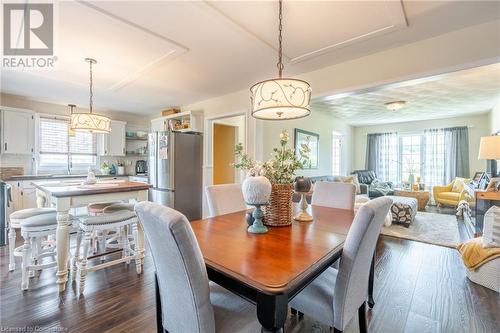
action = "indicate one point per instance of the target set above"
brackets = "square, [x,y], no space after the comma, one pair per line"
[444,195]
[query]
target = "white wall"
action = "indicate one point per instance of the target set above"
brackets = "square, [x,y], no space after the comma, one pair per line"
[479,127]
[495,119]
[320,123]
[134,122]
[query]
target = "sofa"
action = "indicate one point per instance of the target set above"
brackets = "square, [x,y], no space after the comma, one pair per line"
[453,193]
[365,179]
[363,190]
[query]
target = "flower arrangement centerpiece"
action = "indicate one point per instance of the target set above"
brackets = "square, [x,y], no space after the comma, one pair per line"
[280,170]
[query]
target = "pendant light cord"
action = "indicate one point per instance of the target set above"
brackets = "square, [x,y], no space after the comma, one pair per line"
[280,39]
[90,85]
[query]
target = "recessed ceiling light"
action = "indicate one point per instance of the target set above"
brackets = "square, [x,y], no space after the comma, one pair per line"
[396,105]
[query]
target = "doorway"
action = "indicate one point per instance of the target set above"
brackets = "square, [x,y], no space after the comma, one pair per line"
[225,138]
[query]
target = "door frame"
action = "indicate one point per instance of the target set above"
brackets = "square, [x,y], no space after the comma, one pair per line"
[208,153]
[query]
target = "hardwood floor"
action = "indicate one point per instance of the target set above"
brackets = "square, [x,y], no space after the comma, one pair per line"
[418,288]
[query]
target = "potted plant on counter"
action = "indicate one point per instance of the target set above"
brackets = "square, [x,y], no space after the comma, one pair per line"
[280,170]
[105,168]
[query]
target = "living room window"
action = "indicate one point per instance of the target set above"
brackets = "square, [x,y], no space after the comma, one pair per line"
[337,154]
[59,151]
[411,153]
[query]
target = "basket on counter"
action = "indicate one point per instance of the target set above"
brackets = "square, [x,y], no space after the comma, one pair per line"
[280,209]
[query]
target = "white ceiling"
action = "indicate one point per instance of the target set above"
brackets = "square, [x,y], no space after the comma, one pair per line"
[152,55]
[466,92]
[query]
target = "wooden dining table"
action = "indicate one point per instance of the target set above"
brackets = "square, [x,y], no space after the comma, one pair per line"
[64,195]
[270,269]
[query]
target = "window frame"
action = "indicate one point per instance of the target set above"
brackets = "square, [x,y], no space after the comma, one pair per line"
[421,154]
[69,165]
[340,138]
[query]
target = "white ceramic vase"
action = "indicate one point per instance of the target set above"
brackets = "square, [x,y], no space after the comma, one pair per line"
[256,190]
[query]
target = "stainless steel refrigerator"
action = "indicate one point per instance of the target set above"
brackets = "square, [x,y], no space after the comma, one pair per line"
[175,171]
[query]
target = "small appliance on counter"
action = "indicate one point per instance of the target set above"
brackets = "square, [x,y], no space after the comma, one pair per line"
[141,167]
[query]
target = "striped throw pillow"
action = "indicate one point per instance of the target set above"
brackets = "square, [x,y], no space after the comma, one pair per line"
[491,228]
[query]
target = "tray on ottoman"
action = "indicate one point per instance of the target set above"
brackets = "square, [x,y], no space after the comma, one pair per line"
[403,210]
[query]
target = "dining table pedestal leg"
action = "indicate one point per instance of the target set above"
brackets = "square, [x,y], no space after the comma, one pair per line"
[62,242]
[272,311]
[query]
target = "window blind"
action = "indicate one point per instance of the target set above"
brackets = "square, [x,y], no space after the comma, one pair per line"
[53,136]
[58,150]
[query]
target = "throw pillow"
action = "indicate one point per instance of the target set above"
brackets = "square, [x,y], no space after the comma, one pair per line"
[458,185]
[491,227]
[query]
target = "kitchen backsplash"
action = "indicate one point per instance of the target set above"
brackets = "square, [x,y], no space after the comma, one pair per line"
[25,161]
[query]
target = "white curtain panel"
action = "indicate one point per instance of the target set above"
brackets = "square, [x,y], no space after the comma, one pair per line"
[434,146]
[387,167]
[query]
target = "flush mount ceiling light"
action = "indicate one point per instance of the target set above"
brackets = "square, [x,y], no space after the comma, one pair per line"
[280,98]
[394,106]
[90,122]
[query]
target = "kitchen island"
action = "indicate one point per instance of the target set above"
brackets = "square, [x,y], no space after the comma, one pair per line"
[64,195]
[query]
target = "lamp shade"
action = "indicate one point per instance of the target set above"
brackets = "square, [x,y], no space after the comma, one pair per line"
[90,122]
[280,99]
[489,148]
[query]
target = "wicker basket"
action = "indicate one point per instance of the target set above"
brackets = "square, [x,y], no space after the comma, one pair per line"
[279,211]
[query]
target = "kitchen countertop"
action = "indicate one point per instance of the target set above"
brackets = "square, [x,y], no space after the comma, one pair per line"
[61,176]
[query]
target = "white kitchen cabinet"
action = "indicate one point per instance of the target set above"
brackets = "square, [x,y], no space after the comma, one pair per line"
[23,194]
[18,131]
[159,124]
[113,143]
[190,121]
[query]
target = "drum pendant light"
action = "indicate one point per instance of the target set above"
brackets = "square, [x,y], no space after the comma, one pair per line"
[90,122]
[280,98]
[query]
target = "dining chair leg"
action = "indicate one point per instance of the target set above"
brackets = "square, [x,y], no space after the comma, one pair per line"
[76,257]
[371,278]
[362,318]
[83,263]
[159,324]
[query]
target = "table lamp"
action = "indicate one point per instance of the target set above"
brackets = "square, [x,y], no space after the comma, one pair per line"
[489,149]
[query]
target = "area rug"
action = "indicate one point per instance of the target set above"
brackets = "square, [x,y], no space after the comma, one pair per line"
[432,228]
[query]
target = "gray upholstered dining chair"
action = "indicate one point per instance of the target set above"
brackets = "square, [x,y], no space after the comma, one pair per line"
[335,295]
[224,199]
[186,300]
[334,195]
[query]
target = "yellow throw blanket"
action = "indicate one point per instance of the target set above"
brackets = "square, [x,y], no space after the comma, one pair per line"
[474,255]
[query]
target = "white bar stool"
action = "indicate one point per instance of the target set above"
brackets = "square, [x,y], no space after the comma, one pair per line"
[34,250]
[103,223]
[15,221]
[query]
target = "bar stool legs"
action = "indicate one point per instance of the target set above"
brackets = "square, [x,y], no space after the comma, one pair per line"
[12,247]
[138,254]
[83,262]
[76,257]
[26,262]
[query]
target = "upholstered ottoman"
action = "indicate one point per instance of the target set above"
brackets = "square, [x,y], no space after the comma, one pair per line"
[403,210]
